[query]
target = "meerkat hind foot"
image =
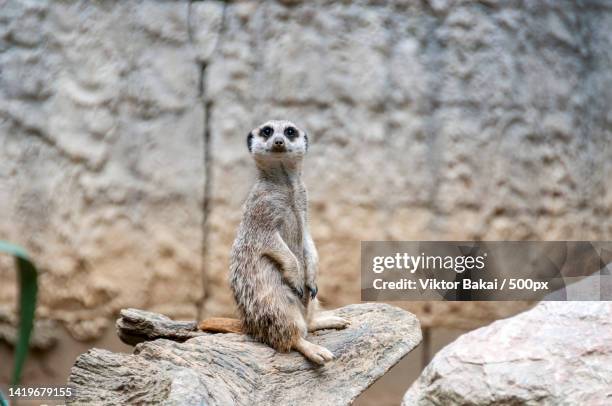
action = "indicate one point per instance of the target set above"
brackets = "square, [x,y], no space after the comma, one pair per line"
[313,352]
[324,322]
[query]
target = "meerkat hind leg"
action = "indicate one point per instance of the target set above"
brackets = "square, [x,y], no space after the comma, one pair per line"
[313,352]
[321,322]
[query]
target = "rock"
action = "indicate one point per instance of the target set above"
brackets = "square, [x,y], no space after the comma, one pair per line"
[558,353]
[223,369]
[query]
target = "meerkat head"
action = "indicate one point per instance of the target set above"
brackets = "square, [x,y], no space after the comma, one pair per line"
[277,140]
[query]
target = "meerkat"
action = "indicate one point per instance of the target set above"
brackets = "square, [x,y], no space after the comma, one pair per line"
[273,264]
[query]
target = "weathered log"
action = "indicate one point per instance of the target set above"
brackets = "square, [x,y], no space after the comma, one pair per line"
[226,369]
[135,326]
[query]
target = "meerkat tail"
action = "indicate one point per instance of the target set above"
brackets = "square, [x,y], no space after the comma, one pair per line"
[221,325]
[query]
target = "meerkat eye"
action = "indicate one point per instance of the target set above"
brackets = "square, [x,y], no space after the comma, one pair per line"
[290,132]
[267,131]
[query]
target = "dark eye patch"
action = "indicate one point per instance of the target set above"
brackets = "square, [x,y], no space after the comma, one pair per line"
[267,131]
[291,132]
[250,142]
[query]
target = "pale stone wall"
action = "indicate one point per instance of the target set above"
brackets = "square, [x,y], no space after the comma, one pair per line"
[123,125]
[101,157]
[428,120]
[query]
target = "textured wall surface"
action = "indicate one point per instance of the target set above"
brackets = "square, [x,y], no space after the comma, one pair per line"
[102,157]
[428,120]
[123,125]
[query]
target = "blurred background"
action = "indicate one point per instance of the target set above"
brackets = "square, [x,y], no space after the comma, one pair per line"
[123,161]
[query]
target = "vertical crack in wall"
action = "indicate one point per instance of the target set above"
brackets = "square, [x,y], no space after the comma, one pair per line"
[208,156]
[207,186]
[590,151]
[388,207]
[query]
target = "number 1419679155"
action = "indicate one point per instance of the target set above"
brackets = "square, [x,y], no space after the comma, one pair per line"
[40,392]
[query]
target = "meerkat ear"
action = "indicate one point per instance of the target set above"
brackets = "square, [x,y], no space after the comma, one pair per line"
[249,141]
[306,140]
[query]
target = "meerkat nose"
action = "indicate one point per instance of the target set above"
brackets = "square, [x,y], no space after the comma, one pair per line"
[279,142]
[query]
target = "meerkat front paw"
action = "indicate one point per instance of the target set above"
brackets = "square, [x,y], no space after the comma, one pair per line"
[296,287]
[313,289]
[298,291]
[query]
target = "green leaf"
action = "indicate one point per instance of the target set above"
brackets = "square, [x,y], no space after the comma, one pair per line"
[28,288]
